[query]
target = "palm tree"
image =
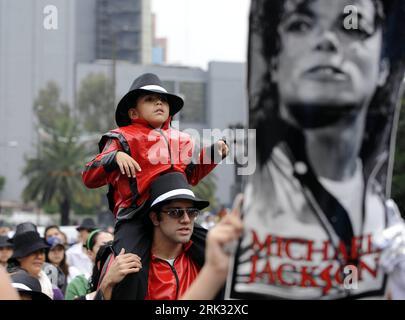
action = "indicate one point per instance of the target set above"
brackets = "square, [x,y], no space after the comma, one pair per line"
[2,182]
[206,189]
[54,176]
[96,103]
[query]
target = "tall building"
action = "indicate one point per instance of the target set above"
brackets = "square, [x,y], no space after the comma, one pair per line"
[124,30]
[159,48]
[30,56]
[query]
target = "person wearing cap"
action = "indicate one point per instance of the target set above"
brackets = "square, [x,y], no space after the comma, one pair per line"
[56,255]
[173,211]
[28,287]
[220,244]
[29,255]
[76,256]
[6,250]
[52,231]
[80,286]
[143,147]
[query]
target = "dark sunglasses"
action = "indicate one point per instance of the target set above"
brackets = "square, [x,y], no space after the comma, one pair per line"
[178,213]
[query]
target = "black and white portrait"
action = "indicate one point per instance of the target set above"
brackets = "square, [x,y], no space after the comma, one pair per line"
[324,79]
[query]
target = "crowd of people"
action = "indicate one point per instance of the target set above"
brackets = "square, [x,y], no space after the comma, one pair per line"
[46,267]
[30,258]
[156,250]
[321,99]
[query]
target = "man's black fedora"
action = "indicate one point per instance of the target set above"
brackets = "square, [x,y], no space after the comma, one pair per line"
[144,84]
[87,224]
[173,186]
[5,243]
[26,243]
[26,284]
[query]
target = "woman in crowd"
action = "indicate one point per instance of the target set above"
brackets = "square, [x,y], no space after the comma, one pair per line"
[29,255]
[56,255]
[80,287]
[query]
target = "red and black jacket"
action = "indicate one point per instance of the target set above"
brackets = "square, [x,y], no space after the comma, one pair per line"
[156,150]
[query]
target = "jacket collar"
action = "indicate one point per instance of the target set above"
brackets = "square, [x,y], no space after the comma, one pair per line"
[145,123]
[186,248]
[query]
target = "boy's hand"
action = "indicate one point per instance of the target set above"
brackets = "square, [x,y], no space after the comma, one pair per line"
[222,148]
[126,164]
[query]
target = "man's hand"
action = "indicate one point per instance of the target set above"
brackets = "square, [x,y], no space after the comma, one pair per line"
[222,148]
[123,264]
[220,240]
[127,165]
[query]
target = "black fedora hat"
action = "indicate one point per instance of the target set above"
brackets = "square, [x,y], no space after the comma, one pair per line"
[5,243]
[26,243]
[173,186]
[144,84]
[24,283]
[24,227]
[87,224]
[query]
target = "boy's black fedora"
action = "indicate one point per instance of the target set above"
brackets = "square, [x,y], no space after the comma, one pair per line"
[144,84]
[173,186]
[26,243]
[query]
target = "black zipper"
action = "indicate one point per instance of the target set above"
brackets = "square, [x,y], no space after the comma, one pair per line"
[175,276]
[168,147]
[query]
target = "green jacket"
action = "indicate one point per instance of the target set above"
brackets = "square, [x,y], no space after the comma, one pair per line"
[79,286]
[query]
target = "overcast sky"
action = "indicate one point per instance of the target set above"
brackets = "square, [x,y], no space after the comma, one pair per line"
[199,31]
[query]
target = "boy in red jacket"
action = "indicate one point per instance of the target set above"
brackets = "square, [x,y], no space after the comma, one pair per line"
[143,147]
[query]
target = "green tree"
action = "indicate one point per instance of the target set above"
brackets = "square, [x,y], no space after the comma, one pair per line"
[96,103]
[398,180]
[206,190]
[48,107]
[2,182]
[54,174]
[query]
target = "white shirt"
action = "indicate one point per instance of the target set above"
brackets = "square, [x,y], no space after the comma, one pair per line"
[46,284]
[78,260]
[280,214]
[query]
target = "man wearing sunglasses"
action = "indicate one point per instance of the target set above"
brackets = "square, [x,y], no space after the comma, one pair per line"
[174,261]
[176,268]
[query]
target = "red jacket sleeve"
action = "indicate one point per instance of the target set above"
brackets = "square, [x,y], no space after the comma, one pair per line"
[99,171]
[207,161]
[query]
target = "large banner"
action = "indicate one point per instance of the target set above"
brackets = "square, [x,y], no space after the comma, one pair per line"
[324,81]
